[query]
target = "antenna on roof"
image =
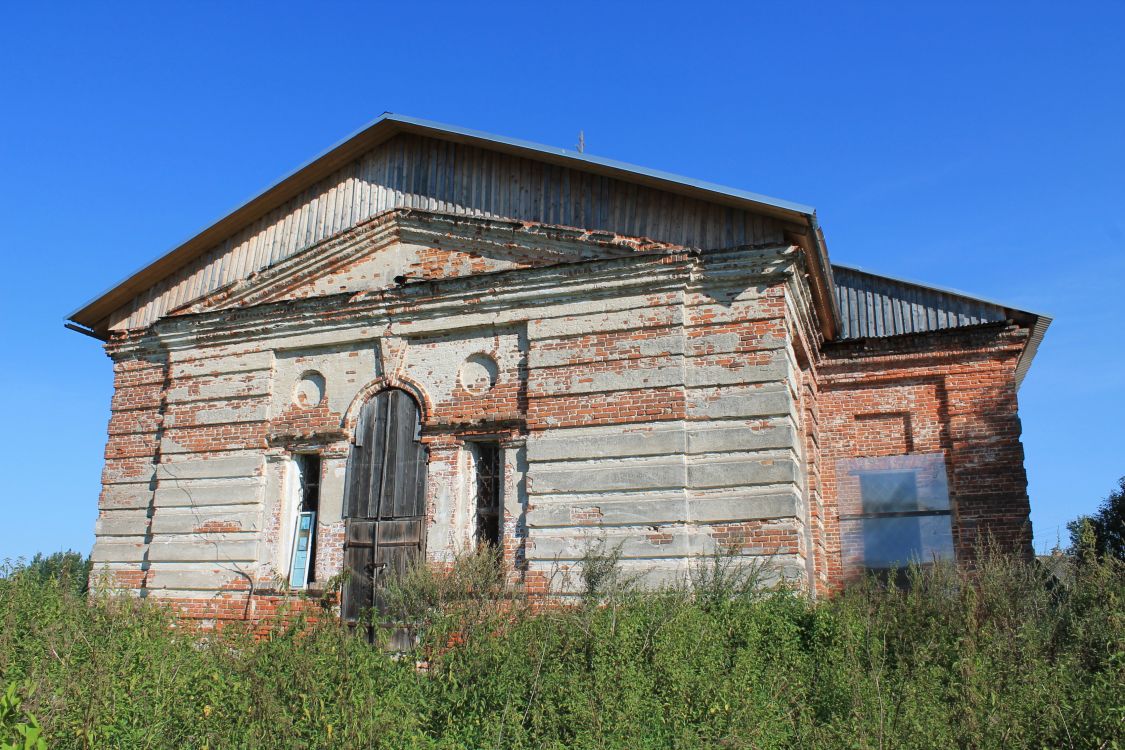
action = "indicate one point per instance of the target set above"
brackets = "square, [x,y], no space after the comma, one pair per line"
[581,147]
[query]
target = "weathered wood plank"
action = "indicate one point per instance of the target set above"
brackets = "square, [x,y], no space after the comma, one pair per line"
[411,171]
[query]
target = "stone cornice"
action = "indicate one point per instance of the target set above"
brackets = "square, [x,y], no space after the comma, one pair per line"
[500,297]
[554,244]
[588,265]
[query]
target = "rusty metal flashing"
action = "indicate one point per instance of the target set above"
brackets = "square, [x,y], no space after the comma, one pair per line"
[94,314]
[823,285]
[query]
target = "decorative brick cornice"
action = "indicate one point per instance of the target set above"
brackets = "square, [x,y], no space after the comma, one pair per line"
[846,361]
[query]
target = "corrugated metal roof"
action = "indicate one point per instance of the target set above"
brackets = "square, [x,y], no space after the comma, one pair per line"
[875,306]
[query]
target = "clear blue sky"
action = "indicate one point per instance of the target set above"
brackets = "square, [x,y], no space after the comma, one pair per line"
[979,146]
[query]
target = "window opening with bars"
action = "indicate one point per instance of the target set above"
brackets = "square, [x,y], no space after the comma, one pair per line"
[489,477]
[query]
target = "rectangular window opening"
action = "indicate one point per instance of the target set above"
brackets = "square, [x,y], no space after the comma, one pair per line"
[302,569]
[893,511]
[489,476]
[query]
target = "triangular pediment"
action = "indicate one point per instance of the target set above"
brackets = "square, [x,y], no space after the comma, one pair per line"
[408,245]
[401,163]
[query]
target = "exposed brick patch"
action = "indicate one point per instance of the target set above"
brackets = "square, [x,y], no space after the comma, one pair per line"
[305,422]
[267,610]
[758,537]
[122,579]
[586,348]
[441,263]
[620,407]
[217,527]
[219,437]
[588,515]
[504,402]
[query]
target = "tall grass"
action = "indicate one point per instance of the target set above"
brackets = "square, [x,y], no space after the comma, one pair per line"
[1011,657]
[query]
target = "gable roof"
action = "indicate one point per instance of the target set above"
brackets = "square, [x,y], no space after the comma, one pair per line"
[857,304]
[93,315]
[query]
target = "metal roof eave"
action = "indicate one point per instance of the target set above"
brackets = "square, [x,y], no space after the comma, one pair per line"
[1038,331]
[942,289]
[1036,322]
[94,313]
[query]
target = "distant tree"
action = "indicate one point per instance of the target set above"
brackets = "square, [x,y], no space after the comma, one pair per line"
[70,569]
[1104,531]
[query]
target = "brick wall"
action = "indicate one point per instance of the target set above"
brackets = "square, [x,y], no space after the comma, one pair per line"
[951,393]
[667,403]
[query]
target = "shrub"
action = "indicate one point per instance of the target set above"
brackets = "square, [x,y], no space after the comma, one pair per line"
[69,569]
[18,730]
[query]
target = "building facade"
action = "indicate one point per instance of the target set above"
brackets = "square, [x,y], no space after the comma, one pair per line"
[431,339]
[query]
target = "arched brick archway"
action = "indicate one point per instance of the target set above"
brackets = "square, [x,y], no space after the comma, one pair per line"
[369,391]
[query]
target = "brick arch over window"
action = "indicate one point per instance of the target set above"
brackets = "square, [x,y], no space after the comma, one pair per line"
[369,391]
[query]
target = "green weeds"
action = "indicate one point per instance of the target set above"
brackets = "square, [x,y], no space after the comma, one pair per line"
[1012,656]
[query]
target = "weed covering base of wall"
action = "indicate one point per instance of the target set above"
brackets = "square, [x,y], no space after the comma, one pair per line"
[1012,657]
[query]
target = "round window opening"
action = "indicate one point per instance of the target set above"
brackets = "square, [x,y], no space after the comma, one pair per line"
[309,390]
[478,373]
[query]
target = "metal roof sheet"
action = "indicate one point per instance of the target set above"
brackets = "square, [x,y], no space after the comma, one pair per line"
[876,306]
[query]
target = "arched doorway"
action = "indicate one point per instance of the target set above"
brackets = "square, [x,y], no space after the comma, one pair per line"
[385,498]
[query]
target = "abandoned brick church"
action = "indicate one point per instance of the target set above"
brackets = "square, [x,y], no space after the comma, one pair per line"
[431,338]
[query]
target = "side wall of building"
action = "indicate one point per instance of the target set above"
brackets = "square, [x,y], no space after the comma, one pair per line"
[668,430]
[940,402]
[656,400]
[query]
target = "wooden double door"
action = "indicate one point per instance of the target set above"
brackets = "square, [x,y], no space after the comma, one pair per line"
[385,498]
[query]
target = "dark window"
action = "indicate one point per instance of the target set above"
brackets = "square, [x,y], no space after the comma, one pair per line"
[308,465]
[890,538]
[488,479]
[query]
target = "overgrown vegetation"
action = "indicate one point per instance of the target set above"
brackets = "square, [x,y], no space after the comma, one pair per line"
[1012,657]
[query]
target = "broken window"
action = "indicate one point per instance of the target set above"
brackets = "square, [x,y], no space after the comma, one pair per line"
[488,477]
[894,510]
[303,561]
